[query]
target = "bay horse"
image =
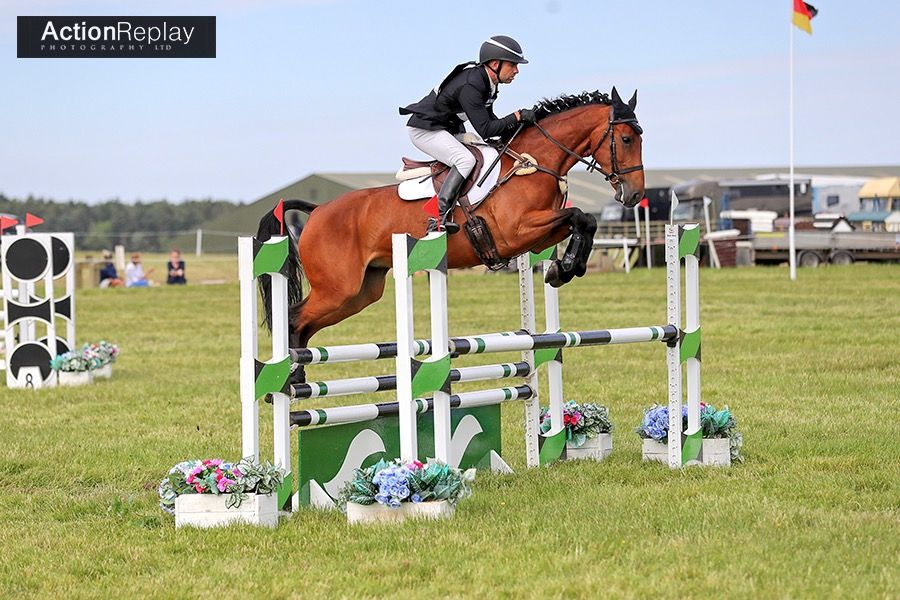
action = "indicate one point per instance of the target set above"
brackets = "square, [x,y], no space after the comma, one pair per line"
[344,251]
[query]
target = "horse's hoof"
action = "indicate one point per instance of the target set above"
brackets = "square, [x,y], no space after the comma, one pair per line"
[552,276]
[298,376]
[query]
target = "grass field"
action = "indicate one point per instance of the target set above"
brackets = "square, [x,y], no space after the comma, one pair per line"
[811,370]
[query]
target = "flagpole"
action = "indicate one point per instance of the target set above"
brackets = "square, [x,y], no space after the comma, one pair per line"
[792,249]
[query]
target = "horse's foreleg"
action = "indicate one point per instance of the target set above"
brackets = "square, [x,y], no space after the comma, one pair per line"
[590,228]
[574,260]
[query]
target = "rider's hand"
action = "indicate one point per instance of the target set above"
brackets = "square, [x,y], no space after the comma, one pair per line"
[526,115]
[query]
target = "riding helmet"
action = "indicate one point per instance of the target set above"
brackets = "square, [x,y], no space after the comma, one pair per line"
[501,47]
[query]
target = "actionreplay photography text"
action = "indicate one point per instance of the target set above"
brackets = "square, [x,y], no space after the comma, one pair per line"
[113,36]
[116,37]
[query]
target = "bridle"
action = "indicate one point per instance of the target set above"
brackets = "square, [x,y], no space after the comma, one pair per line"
[594,165]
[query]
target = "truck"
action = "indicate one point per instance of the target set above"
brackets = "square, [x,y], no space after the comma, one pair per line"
[835,247]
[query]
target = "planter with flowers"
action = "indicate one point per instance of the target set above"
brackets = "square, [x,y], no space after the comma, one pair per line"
[72,368]
[212,493]
[79,367]
[588,430]
[395,491]
[102,355]
[722,441]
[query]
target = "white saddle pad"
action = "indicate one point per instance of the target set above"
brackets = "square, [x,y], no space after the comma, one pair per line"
[416,189]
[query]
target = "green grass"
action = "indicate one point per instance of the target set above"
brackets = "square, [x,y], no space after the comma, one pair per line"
[811,370]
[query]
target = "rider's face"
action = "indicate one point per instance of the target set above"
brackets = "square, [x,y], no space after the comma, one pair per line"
[508,71]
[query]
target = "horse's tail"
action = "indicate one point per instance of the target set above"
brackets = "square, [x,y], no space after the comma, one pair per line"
[269,226]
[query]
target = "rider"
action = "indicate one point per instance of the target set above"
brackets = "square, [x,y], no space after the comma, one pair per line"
[466,94]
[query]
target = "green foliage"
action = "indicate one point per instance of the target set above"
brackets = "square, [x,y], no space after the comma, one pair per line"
[255,478]
[145,226]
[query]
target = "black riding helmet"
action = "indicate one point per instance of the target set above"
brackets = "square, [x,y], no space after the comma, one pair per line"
[501,47]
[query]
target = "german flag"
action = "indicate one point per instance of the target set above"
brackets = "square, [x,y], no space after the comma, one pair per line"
[803,14]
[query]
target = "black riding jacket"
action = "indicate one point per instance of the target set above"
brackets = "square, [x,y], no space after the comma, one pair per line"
[466,93]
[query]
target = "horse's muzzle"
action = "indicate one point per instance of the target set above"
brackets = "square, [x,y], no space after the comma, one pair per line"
[627,195]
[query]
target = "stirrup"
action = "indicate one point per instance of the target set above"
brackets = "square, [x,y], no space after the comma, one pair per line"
[449,226]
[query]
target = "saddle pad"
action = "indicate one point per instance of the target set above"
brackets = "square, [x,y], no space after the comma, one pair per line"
[417,189]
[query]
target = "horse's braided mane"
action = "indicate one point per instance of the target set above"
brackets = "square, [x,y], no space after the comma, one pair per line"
[564,102]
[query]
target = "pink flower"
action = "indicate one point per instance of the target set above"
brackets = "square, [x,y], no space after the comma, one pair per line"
[237,472]
[415,465]
[223,484]
[199,488]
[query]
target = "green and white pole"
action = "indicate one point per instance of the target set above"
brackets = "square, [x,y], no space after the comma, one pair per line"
[257,379]
[537,453]
[555,439]
[382,383]
[689,250]
[683,243]
[415,378]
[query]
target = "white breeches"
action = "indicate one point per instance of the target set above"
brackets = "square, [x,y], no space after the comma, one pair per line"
[445,147]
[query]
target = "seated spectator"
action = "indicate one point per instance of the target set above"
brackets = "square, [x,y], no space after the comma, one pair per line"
[108,275]
[134,273]
[176,268]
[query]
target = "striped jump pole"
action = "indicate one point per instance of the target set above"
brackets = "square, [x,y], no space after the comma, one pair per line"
[359,352]
[683,244]
[258,378]
[382,383]
[369,412]
[415,378]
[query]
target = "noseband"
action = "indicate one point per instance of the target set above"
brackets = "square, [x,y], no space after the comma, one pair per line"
[594,165]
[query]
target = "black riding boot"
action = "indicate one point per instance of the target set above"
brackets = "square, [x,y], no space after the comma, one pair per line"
[446,198]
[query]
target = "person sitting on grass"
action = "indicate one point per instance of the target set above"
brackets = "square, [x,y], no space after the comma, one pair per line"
[176,268]
[134,273]
[108,275]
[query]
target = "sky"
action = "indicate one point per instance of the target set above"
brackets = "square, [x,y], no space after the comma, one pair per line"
[303,86]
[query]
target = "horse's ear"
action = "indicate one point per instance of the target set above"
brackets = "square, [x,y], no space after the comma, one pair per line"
[633,102]
[615,96]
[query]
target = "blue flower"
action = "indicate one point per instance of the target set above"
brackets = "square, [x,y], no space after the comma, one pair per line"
[416,498]
[394,503]
[382,498]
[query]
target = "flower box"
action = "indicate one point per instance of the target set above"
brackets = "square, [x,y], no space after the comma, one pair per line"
[209,510]
[595,448]
[104,372]
[380,513]
[716,452]
[74,377]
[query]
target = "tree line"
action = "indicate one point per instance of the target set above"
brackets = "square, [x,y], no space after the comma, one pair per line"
[147,226]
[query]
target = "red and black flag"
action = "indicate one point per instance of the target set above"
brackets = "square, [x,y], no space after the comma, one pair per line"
[803,14]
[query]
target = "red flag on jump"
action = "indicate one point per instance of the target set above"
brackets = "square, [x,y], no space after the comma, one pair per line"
[7,223]
[279,213]
[644,203]
[32,220]
[431,207]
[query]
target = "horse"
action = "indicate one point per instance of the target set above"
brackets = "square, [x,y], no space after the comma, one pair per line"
[344,251]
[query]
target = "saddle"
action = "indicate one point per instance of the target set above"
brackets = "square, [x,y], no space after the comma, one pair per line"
[438,171]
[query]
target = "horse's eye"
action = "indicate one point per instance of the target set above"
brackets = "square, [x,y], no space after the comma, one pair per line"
[626,139]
